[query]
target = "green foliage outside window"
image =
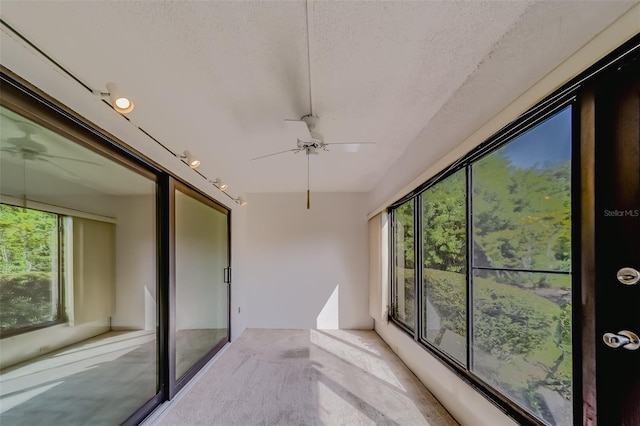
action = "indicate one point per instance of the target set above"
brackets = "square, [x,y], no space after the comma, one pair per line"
[28,267]
[25,299]
[444,224]
[404,263]
[521,217]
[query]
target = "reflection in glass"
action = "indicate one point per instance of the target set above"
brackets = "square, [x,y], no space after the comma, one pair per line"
[444,316]
[404,264]
[90,223]
[28,268]
[202,296]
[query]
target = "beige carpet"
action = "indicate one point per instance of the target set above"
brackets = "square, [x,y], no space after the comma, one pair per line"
[307,377]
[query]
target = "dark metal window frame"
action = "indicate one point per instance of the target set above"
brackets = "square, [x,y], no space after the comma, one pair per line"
[392,312]
[569,94]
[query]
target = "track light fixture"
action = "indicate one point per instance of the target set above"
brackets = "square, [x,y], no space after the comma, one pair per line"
[192,161]
[219,183]
[240,200]
[118,101]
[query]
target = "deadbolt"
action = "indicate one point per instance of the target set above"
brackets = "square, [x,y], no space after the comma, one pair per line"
[624,338]
[628,276]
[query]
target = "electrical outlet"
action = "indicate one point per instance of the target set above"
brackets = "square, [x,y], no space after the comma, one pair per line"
[238,309]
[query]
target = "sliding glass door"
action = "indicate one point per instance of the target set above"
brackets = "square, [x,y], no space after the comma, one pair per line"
[114,277]
[202,276]
[78,279]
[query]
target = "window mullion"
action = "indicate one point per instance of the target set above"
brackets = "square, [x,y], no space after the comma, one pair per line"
[392,270]
[469,228]
[418,265]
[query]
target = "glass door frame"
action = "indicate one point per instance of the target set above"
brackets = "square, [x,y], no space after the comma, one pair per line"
[176,384]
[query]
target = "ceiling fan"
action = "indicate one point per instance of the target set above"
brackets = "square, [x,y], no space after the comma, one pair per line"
[27,148]
[309,141]
[312,143]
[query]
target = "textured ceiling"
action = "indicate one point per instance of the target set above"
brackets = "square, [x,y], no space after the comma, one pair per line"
[218,78]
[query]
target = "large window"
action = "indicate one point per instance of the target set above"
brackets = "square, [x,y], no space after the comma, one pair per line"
[404,265]
[29,269]
[495,288]
[444,307]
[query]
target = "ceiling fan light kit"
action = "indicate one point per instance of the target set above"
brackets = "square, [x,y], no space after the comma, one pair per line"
[312,143]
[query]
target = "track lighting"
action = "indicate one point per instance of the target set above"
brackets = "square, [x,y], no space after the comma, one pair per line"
[118,101]
[190,159]
[219,183]
[240,200]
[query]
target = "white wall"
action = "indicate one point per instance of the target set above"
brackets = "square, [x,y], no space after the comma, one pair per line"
[307,268]
[240,270]
[135,307]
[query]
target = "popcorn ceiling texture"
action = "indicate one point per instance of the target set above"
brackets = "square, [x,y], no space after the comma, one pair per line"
[218,78]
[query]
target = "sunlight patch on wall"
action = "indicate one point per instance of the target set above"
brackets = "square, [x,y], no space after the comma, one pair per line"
[329,317]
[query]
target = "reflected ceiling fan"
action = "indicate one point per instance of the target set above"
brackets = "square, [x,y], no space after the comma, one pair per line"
[27,148]
[309,141]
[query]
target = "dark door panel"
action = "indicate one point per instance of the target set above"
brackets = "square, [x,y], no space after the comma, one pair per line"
[617,245]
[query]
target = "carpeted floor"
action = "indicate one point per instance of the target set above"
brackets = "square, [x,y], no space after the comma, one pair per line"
[307,377]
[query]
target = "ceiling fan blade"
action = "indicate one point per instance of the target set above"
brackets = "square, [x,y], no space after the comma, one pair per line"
[13,151]
[26,142]
[349,147]
[296,150]
[27,127]
[300,129]
[58,166]
[69,158]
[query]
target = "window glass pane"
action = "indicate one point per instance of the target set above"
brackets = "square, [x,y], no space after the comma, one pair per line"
[522,221]
[404,264]
[202,296]
[522,200]
[444,307]
[522,339]
[28,268]
[98,363]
